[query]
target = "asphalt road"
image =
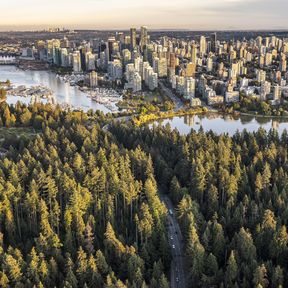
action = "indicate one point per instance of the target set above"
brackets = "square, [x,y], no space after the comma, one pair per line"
[178,275]
[168,92]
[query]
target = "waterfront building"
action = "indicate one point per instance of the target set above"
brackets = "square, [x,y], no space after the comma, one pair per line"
[232,96]
[265,89]
[153,81]
[76,62]
[115,70]
[93,79]
[195,102]
[129,71]
[137,82]
[215,99]
[189,88]
[90,61]
[64,57]
[277,93]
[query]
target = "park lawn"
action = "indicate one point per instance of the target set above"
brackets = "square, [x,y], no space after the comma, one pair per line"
[151,96]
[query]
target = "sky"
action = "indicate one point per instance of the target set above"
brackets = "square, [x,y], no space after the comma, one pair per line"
[156,14]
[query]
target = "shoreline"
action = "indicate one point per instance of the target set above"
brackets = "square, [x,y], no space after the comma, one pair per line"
[209,110]
[140,120]
[259,115]
[148,118]
[85,94]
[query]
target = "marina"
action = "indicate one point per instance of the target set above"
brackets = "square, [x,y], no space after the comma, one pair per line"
[8,60]
[65,94]
[72,79]
[104,96]
[40,92]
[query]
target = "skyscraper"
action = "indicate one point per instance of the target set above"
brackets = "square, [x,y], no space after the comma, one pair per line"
[172,60]
[190,69]
[83,58]
[126,54]
[115,69]
[203,45]
[90,61]
[93,79]
[137,82]
[160,67]
[283,63]
[213,42]
[133,36]
[193,54]
[76,62]
[209,64]
[277,92]
[189,87]
[143,38]
[109,47]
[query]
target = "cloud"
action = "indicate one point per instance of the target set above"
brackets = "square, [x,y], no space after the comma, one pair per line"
[192,14]
[251,7]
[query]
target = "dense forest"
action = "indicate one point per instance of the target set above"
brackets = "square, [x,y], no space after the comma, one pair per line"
[232,199]
[79,206]
[76,208]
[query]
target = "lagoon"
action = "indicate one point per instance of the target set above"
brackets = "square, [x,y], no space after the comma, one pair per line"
[219,123]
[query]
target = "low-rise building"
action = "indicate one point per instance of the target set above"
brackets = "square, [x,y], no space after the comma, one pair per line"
[232,96]
[195,102]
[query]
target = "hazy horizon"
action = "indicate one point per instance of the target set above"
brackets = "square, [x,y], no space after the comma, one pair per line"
[120,15]
[124,29]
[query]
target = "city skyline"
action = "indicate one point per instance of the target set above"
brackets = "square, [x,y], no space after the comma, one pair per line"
[112,14]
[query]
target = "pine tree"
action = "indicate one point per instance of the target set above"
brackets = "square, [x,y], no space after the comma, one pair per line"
[231,270]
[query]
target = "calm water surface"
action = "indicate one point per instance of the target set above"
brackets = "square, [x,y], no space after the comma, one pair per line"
[64,93]
[224,123]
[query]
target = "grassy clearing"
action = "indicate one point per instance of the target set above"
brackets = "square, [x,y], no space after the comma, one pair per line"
[16,132]
[155,96]
[150,100]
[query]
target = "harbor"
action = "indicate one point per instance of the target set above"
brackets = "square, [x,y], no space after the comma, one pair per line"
[71,79]
[64,94]
[35,92]
[106,96]
[101,95]
[8,60]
